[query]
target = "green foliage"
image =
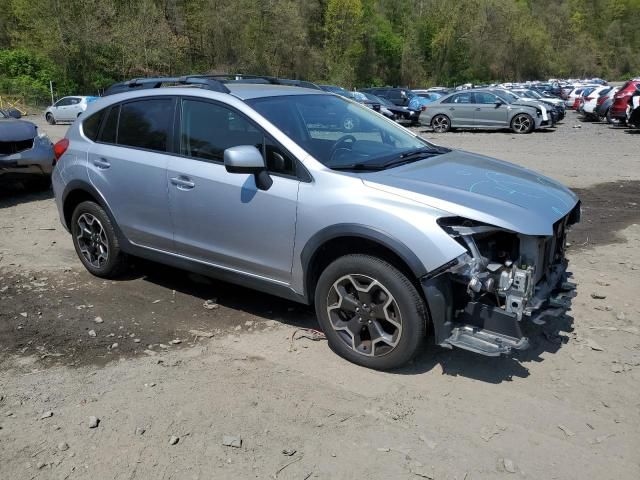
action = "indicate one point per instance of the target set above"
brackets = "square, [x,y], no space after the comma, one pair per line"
[85,45]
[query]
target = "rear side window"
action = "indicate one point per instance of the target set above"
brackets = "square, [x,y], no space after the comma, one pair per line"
[91,125]
[110,128]
[146,124]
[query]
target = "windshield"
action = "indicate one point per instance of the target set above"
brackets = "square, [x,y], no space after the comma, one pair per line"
[506,96]
[341,134]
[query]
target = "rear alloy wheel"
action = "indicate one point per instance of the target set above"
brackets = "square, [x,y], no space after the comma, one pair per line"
[611,120]
[441,124]
[50,119]
[95,241]
[522,123]
[370,312]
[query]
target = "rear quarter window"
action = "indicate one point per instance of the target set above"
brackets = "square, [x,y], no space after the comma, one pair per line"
[146,124]
[91,125]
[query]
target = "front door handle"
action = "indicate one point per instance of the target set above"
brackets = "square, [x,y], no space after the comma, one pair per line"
[101,163]
[183,183]
[478,109]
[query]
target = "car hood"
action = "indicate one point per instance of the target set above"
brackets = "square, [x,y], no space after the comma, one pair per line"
[12,130]
[482,189]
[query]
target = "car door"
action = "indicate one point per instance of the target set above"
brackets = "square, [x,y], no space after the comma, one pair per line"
[60,109]
[128,166]
[490,111]
[460,109]
[75,108]
[222,218]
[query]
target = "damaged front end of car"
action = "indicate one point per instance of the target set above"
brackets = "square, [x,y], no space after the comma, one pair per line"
[478,300]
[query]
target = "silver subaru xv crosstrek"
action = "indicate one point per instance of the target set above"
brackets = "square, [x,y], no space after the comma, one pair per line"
[257,183]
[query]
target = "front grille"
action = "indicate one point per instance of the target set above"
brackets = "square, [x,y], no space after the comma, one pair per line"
[10,148]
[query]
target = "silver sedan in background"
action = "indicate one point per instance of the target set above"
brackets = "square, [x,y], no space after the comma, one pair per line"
[483,109]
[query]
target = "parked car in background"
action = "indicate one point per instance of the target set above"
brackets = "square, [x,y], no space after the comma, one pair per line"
[401,97]
[25,155]
[633,110]
[343,92]
[387,235]
[67,109]
[485,109]
[11,112]
[590,101]
[603,105]
[556,105]
[618,110]
[387,108]
[573,98]
[428,94]
[362,98]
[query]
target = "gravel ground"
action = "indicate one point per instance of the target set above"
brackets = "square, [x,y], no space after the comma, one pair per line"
[144,356]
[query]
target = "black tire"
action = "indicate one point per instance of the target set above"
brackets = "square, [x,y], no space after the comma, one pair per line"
[611,120]
[115,261]
[406,304]
[50,119]
[522,123]
[441,123]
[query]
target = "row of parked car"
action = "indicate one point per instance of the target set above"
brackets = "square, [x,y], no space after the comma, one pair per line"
[521,108]
[616,105]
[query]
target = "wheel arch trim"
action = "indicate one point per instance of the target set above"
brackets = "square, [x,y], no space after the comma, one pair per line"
[384,239]
[86,187]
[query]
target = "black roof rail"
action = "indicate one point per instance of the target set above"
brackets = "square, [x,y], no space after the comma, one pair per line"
[210,82]
[266,79]
[201,81]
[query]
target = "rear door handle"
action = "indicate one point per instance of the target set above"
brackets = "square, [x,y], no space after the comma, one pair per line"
[451,108]
[478,109]
[183,183]
[101,163]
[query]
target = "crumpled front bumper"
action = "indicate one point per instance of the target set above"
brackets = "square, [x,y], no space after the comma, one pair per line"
[490,330]
[38,160]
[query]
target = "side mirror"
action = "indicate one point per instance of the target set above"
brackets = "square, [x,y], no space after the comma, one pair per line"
[499,103]
[248,159]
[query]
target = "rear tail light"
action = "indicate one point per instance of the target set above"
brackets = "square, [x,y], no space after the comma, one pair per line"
[588,99]
[601,100]
[59,148]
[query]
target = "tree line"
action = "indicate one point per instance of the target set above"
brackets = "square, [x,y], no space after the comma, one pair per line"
[85,45]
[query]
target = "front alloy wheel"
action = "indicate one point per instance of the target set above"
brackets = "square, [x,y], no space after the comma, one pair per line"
[371,312]
[364,314]
[522,123]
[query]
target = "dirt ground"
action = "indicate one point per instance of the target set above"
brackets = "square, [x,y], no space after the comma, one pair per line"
[145,357]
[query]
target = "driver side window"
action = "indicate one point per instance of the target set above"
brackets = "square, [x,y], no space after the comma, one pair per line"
[208,129]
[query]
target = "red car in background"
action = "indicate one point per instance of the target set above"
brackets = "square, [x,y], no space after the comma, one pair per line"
[621,100]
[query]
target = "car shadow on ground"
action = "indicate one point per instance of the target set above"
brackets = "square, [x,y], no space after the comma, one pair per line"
[16,193]
[547,338]
[228,295]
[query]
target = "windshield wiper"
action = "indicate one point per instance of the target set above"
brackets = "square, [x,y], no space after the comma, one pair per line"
[405,157]
[358,166]
[424,150]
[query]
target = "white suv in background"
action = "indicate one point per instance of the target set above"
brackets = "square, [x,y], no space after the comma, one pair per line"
[67,109]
